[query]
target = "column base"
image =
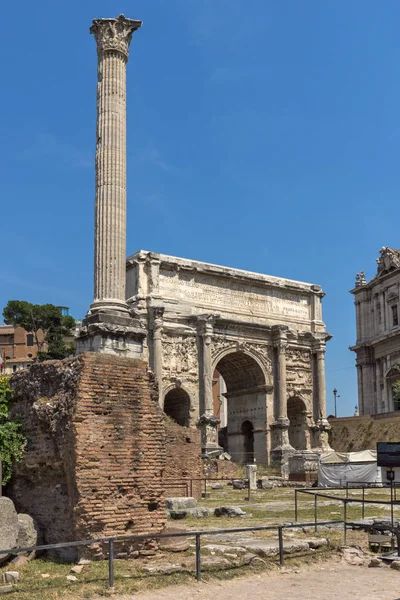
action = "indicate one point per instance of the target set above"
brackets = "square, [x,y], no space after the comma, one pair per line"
[111,332]
[282,449]
[209,436]
[108,306]
[303,466]
[322,435]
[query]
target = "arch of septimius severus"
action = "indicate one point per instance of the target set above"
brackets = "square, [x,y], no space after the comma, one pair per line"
[263,335]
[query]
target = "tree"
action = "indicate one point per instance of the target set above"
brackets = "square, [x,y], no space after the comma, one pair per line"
[11,439]
[47,324]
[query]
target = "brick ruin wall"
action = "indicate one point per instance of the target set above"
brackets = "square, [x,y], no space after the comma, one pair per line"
[95,454]
[352,434]
[183,460]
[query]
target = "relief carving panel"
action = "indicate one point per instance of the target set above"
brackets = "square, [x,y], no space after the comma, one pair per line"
[179,355]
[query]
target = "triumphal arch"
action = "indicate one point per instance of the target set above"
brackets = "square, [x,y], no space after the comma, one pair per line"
[263,335]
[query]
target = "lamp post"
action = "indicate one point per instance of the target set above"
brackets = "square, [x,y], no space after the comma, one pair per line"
[335,395]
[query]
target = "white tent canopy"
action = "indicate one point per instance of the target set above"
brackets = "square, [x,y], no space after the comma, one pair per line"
[338,468]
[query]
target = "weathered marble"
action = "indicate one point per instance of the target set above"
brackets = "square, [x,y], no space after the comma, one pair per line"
[263,334]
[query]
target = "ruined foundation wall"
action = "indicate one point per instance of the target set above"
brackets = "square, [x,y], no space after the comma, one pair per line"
[96,448]
[183,459]
[352,434]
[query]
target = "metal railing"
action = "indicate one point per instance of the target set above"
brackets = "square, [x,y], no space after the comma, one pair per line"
[321,493]
[111,541]
[187,484]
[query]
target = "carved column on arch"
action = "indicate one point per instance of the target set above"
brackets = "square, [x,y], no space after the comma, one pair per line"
[157,313]
[208,421]
[320,385]
[281,450]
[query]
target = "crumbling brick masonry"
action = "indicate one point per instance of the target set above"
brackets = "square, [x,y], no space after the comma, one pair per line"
[96,448]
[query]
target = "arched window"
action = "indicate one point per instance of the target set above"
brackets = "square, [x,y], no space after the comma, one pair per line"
[177,406]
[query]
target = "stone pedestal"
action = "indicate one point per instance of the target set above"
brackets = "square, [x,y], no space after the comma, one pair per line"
[209,436]
[282,450]
[251,475]
[303,466]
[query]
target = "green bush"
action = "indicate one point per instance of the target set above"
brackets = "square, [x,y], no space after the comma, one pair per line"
[11,439]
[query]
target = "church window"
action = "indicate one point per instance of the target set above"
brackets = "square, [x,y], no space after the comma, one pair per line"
[395,316]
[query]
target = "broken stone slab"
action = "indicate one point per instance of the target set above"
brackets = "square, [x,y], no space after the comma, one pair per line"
[19,561]
[395,565]
[27,533]
[198,513]
[375,562]
[163,569]
[266,548]
[9,526]
[229,511]
[240,484]
[217,486]
[4,589]
[224,549]
[180,503]
[77,569]
[71,578]
[174,544]
[316,543]
[265,484]
[215,561]
[353,556]
[11,577]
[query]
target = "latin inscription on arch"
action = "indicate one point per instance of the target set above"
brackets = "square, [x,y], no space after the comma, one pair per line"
[210,292]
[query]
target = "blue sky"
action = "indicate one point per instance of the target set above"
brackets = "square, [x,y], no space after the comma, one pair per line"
[262,135]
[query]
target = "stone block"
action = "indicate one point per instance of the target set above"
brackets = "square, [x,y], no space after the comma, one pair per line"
[27,533]
[11,577]
[229,511]
[240,484]
[9,526]
[175,504]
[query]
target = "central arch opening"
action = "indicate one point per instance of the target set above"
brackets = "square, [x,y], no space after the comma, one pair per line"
[245,410]
[177,406]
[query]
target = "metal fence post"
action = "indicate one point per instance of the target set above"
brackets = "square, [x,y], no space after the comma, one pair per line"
[280,536]
[191,488]
[248,490]
[205,488]
[363,505]
[347,489]
[111,563]
[344,522]
[198,557]
[295,505]
[315,513]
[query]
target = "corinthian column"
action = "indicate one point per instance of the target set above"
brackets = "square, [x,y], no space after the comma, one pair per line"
[113,37]
[157,314]
[208,421]
[322,422]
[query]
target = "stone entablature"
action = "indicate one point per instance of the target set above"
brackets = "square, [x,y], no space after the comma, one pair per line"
[378,333]
[202,317]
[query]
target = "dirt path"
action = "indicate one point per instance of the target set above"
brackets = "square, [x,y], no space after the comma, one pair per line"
[329,582]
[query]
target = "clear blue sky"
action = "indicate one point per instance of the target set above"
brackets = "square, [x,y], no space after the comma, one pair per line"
[262,135]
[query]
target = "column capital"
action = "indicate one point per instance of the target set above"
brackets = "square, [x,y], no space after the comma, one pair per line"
[114,35]
[320,351]
[206,324]
[157,314]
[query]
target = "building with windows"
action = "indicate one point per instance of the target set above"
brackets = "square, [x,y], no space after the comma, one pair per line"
[18,347]
[378,336]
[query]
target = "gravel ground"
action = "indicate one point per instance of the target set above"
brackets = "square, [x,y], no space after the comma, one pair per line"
[332,581]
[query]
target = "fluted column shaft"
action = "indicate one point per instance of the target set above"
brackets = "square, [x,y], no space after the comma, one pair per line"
[321,386]
[158,313]
[282,388]
[113,37]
